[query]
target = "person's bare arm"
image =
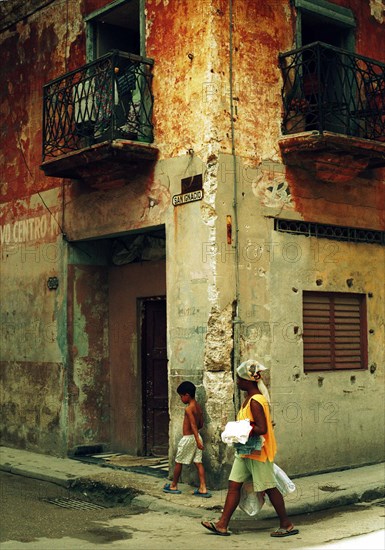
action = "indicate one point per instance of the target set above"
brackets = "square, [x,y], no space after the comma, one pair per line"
[194,428]
[259,426]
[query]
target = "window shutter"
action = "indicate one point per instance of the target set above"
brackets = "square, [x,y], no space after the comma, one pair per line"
[334,331]
[316,332]
[347,339]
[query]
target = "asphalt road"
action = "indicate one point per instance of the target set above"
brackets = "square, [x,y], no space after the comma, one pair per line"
[31,519]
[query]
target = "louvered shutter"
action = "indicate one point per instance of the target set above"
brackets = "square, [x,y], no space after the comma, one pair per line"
[334,331]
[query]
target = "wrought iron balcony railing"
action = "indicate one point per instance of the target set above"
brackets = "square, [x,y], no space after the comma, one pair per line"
[107,99]
[330,89]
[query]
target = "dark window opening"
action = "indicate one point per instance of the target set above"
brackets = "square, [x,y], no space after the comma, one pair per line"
[320,29]
[323,21]
[115,29]
[112,37]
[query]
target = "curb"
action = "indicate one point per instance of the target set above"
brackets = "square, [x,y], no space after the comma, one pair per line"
[64,480]
[312,494]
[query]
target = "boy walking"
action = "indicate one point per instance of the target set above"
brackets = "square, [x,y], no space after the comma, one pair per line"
[191,445]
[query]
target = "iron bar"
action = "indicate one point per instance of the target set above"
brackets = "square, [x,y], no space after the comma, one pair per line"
[333,232]
[110,98]
[331,89]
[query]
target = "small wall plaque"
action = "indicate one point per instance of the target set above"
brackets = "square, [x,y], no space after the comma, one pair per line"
[192,191]
[184,198]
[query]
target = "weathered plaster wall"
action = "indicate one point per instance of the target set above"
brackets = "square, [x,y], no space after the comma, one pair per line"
[183,39]
[88,365]
[190,44]
[33,344]
[53,381]
[36,41]
[333,410]
[141,203]
[191,289]
[334,407]
[34,341]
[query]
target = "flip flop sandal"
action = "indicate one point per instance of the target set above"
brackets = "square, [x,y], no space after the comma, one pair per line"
[282,532]
[167,489]
[196,493]
[210,525]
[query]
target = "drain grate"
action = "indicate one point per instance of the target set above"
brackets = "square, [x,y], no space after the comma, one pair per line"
[73,503]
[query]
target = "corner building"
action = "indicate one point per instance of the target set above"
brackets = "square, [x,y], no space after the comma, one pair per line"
[185,185]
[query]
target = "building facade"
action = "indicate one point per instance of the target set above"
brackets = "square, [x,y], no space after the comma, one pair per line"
[186,185]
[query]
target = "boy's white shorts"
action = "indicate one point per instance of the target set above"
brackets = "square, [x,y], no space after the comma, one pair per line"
[187,451]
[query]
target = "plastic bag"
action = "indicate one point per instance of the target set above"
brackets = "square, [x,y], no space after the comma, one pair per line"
[251,502]
[284,483]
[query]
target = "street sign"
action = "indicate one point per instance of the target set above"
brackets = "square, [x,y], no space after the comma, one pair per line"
[184,198]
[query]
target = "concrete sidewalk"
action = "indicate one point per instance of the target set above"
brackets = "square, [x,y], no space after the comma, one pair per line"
[317,492]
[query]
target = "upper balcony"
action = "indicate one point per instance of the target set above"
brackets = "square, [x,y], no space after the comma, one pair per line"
[333,111]
[97,120]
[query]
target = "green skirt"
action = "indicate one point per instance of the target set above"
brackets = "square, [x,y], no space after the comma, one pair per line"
[260,473]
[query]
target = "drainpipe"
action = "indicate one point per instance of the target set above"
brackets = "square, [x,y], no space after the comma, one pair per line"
[236,318]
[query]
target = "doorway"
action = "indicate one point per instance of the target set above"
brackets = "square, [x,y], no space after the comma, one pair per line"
[327,80]
[154,376]
[130,285]
[117,26]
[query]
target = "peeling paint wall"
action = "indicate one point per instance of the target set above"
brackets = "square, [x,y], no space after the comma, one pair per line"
[66,353]
[32,321]
[336,408]
[88,368]
[275,268]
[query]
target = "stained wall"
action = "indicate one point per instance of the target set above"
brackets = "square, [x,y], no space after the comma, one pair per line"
[234,145]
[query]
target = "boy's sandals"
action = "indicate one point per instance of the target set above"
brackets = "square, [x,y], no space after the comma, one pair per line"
[197,493]
[167,489]
[283,532]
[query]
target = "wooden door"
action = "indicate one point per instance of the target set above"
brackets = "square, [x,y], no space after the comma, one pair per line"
[155,377]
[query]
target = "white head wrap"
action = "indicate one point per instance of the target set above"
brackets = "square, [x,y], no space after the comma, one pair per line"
[248,370]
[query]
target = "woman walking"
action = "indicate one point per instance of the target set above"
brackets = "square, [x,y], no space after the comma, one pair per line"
[258,466]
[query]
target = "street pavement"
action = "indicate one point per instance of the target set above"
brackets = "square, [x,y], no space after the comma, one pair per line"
[313,493]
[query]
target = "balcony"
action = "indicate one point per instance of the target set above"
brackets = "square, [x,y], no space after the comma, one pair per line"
[97,120]
[333,111]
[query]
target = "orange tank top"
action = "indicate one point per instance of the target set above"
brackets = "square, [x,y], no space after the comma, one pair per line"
[269,446]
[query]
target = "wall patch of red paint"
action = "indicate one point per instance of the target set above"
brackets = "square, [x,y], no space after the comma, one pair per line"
[353,203]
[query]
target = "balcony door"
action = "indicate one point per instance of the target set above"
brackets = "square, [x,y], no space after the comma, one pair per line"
[322,21]
[118,26]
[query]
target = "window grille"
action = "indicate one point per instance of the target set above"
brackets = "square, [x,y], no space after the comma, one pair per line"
[334,232]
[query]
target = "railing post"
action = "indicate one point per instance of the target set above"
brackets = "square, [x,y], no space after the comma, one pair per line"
[114,71]
[319,90]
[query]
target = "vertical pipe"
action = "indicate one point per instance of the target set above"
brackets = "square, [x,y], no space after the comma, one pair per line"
[236,317]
